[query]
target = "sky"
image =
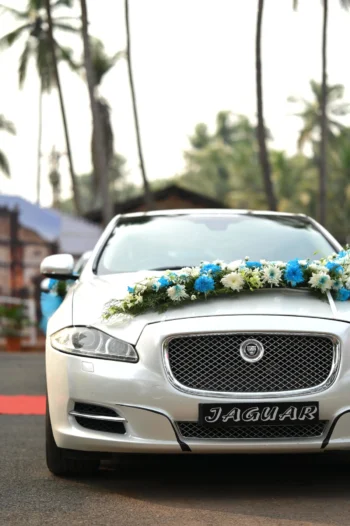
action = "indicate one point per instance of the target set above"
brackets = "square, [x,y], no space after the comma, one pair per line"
[191,59]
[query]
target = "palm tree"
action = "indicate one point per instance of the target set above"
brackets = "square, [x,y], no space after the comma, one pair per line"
[60,94]
[311,114]
[102,64]
[37,46]
[6,126]
[99,158]
[261,131]
[324,125]
[147,190]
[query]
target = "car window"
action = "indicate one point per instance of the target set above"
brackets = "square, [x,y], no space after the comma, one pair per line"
[159,242]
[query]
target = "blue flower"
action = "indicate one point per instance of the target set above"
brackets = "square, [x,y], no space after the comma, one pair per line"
[131,290]
[164,282]
[343,294]
[52,283]
[253,264]
[204,284]
[338,269]
[341,254]
[210,267]
[293,273]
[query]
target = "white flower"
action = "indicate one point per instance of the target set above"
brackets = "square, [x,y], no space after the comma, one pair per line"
[195,271]
[177,293]
[129,298]
[321,280]
[279,264]
[140,288]
[272,275]
[186,271]
[256,276]
[315,267]
[221,263]
[138,299]
[193,297]
[234,281]
[152,283]
[337,284]
[302,262]
[234,265]
[347,283]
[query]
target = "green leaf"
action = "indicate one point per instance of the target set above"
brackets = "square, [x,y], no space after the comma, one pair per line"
[9,39]
[4,164]
[23,62]
[7,126]
[65,27]
[19,15]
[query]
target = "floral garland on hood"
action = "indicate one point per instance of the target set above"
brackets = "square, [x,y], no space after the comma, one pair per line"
[327,275]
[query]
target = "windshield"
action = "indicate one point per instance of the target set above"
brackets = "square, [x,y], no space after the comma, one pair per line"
[170,242]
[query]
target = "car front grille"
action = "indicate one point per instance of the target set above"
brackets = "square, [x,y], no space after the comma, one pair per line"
[212,362]
[193,430]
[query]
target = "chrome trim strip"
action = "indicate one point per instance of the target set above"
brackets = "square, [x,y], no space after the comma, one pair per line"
[239,395]
[97,417]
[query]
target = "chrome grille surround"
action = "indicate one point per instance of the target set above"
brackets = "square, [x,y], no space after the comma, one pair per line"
[193,430]
[333,364]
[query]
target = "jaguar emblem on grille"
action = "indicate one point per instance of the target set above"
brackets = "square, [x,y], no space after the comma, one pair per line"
[251,350]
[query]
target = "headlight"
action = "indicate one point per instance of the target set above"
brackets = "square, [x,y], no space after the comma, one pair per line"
[85,341]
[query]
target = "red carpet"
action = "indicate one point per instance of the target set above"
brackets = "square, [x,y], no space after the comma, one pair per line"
[22,405]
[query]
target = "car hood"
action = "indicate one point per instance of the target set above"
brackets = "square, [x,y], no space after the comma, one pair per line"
[90,296]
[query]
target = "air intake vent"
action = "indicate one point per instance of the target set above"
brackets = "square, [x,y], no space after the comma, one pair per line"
[106,426]
[98,418]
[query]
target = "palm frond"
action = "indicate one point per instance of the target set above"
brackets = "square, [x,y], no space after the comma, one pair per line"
[62,3]
[304,137]
[44,64]
[4,164]
[23,62]
[345,4]
[335,92]
[120,55]
[76,18]
[102,62]
[335,124]
[10,38]
[19,15]
[65,27]
[65,54]
[7,126]
[341,109]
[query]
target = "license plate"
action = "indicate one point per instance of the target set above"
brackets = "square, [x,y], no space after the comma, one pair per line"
[285,413]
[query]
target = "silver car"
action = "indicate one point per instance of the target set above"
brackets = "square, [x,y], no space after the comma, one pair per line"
[262,372]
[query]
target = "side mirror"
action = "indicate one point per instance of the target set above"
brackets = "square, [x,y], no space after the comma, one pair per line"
[59,266]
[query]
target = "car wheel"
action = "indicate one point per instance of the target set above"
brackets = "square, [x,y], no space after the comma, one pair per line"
[63,461]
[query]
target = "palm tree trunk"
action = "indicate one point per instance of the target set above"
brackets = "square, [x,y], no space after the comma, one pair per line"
[261,132]
[99,158]
[324,124]
[38,175]
[147,190]
[63,111]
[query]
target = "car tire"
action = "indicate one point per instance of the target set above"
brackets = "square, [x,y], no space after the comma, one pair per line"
[63,462]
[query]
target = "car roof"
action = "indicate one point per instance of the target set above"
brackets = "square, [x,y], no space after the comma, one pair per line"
[215,211]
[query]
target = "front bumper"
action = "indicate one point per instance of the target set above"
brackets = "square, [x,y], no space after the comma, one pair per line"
[142,394]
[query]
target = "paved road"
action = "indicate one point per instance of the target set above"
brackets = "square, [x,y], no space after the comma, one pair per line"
[181,491]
